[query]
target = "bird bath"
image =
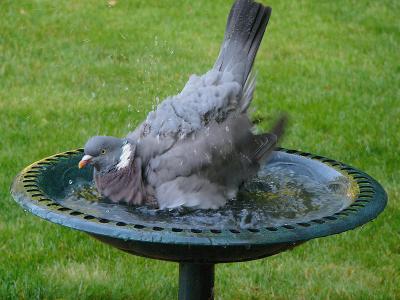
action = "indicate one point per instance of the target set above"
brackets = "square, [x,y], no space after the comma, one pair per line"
[298,196]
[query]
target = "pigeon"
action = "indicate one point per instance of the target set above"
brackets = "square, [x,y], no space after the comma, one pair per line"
[198,147]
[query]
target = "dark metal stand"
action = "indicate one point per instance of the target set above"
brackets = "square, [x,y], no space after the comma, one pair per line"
[196,281]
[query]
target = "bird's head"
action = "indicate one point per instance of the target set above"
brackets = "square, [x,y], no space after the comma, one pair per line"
[104,152]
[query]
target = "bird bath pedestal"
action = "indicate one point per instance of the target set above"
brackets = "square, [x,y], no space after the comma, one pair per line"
[54,189]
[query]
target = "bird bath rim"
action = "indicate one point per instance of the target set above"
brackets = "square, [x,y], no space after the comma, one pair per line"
[370,201]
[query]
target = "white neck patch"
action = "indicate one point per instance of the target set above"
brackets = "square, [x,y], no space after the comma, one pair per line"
[125,157]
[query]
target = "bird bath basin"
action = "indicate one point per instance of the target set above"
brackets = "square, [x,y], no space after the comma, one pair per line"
[296,197]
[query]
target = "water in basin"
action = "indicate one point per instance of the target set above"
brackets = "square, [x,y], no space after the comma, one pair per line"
[289,189]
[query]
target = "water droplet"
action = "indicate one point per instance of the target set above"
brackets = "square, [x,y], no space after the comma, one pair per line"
[70,181]
[227,129]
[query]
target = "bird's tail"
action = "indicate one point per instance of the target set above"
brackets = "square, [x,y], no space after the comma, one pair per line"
[245,28]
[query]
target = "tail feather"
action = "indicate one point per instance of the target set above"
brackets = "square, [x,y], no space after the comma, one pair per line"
[248,91]
[245,29]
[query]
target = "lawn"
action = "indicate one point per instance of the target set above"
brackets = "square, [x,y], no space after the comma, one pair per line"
[72,69]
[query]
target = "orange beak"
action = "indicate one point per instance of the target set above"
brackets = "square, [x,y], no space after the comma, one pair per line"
[84,161]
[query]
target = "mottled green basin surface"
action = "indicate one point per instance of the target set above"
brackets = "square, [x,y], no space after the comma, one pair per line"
[295,197]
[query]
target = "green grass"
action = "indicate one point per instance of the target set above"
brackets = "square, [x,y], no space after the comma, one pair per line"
[72,69]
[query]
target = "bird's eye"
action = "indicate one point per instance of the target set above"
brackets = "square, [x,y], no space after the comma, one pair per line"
[103,151]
